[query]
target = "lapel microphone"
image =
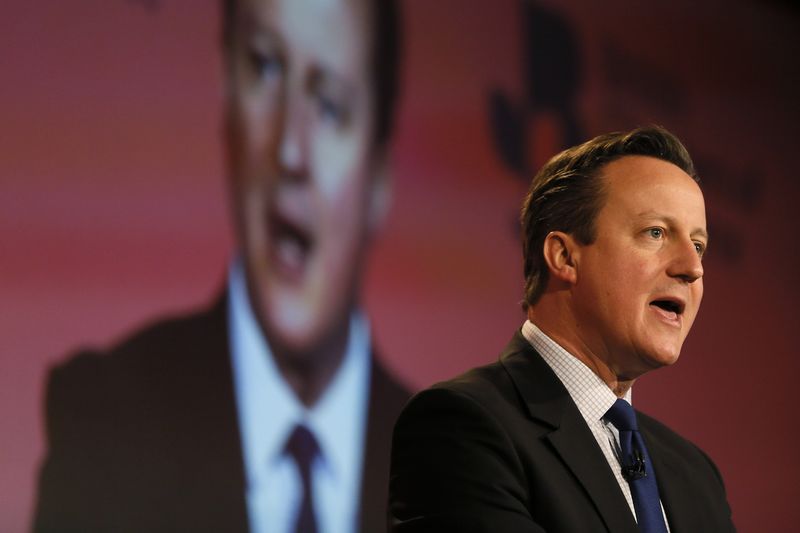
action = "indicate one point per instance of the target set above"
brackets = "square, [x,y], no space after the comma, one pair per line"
[636,469]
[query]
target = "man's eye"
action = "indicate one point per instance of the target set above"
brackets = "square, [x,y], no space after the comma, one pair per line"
[331,110]
[265,65]
[700,248]
[328,109]
[656,233]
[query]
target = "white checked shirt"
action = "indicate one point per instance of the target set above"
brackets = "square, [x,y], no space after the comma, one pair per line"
[591,395]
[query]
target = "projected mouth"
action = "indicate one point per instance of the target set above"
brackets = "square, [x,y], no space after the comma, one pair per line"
[291,246]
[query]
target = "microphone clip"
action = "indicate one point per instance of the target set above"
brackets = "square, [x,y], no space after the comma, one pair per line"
[635,469]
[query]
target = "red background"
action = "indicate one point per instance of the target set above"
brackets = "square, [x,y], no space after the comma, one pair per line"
[113,207]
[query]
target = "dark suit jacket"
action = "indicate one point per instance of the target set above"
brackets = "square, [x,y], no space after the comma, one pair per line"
[503,448]
[146,439]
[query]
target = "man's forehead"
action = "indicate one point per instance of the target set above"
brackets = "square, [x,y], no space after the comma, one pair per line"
[333,33]
[647,185]
[635,172]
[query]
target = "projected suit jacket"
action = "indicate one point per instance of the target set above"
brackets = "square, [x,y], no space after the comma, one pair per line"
[146,439]
[504,449]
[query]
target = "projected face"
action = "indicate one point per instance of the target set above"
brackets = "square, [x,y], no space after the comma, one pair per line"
[307,185]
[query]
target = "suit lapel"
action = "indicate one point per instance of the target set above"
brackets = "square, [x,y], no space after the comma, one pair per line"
[549,403]
[577,447]
[386,400]
[207,417]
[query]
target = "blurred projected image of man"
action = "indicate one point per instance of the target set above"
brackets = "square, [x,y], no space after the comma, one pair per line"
[269,411]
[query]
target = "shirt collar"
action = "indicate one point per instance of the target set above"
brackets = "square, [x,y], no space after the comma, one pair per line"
[268,408]
[591,394]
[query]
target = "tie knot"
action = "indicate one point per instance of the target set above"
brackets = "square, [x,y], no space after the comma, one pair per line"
[302,446]
[622,416]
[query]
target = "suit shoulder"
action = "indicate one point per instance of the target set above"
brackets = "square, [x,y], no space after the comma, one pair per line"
[89,382]
[481,392]
[484,384]
[467,405]
[156,343]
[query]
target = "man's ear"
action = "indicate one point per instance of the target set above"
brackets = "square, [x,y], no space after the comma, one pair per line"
[380,195]
[560,254]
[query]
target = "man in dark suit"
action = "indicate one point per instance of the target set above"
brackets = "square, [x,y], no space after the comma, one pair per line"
[545,439]
[268,412]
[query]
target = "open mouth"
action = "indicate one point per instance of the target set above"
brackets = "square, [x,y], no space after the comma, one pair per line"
[291,246]
[671,309]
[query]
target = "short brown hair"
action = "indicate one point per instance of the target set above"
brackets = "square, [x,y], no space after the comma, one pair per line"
[385,59]
[567,193]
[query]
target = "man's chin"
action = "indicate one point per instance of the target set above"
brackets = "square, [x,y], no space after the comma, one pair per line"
[661,358]
[645,361]
[291,336]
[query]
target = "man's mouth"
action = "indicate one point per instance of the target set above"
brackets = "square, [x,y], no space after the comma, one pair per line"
[669,308]
[291,245]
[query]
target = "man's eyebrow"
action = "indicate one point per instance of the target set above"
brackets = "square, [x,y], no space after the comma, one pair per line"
[671,221]
[700,232]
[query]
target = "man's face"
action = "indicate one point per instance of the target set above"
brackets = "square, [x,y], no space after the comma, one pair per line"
[639,285]
[306,181]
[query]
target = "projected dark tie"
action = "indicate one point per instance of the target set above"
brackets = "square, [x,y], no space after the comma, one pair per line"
[637,468]
[302,446]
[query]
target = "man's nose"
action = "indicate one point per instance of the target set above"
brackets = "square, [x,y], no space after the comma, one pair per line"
[686,263]
[293,137]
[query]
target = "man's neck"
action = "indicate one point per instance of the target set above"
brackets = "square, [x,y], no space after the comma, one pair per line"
[562,330]
[309,373]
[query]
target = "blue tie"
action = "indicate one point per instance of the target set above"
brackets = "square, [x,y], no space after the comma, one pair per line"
[637,468]
[302,446]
